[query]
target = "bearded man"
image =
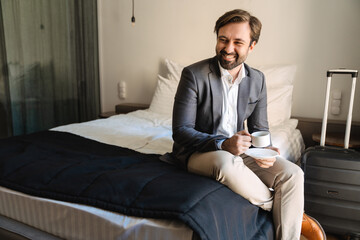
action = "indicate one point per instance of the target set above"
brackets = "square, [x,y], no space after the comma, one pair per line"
[213,100]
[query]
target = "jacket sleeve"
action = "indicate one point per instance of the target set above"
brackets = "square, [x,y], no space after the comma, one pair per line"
[185,117]
[257,121]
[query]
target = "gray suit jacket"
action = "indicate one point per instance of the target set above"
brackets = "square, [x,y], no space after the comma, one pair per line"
[198,107]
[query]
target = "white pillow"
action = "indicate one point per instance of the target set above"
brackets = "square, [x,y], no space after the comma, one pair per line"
[278,75]
[174,69]
[279,83]
[279,102]
[163,99]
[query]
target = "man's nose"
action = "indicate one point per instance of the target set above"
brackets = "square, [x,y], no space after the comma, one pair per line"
[229,47]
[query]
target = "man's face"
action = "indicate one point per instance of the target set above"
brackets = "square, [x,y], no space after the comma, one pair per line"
[233,45]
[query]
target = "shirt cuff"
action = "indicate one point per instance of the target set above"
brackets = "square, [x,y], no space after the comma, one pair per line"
[219,143]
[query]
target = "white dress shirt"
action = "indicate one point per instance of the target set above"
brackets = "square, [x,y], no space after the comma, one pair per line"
[228,122]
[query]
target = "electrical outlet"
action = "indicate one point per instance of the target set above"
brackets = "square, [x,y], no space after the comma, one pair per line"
[336,102]
[336,94]
[122,89]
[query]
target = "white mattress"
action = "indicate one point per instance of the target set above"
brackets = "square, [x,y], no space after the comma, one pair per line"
[76,221]
[143,131]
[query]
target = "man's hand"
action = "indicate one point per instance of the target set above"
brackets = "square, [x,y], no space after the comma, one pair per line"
[238,143]
[267,162]
[274,148]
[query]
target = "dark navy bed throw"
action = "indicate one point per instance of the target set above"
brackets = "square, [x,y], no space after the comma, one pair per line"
[71,168]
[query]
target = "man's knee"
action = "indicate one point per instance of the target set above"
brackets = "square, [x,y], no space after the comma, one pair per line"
[222,163]
[294,174]
[211,163]
[221,159]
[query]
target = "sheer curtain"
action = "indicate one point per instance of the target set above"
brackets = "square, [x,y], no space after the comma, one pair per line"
[52,63]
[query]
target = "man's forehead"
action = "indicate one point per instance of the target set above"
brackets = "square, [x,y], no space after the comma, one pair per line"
[239,31]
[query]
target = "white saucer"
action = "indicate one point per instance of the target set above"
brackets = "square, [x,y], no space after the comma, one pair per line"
[261,153]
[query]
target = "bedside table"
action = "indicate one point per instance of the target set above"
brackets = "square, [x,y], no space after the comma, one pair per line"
[337,139]
[130,107]
[107,114]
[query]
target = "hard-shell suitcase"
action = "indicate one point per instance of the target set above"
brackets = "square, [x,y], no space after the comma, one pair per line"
[332,176]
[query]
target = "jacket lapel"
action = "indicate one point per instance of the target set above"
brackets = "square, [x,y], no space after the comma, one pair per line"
[216,92]
[243,97]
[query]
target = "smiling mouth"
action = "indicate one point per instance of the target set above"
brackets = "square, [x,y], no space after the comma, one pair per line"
[228,57]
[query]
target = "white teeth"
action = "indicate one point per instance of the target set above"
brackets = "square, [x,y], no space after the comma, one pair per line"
[229,57]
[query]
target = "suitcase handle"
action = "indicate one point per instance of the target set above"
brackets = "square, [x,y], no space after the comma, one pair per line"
[354,74]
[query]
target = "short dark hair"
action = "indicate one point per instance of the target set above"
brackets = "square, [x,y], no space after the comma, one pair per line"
[238,15]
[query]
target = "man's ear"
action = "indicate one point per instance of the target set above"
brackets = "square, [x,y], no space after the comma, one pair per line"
[252,45]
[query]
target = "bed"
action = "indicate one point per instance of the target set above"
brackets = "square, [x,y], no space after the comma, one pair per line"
[40,202]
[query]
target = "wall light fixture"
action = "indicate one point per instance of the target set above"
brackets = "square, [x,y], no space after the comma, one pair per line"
[133,10]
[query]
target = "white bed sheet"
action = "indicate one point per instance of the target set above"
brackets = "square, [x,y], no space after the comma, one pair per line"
[149,132]
[288,139]
[143,131]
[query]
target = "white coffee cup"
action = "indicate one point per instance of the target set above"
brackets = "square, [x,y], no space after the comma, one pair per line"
[260,139]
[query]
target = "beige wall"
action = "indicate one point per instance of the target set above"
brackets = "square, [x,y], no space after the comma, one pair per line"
[316,35]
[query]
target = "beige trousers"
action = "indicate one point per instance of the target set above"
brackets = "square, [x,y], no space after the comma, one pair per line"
[279,188]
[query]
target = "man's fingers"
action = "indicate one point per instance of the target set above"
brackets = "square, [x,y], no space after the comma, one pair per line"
[242,138]
[244,132]
[261,164]
[265,163]
[275,149]
[244,148]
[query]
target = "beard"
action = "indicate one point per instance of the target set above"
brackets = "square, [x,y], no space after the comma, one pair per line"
[228,65]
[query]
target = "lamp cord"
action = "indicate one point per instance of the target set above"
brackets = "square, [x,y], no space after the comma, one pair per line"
[133,7]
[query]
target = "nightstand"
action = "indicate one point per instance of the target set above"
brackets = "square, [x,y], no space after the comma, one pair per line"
[106,114]
[123,108]
[130,107]
[337,139]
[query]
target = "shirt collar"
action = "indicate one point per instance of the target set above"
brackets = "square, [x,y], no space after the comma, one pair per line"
[226,76]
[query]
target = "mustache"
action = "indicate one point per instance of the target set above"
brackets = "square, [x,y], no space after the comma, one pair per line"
[223,52]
